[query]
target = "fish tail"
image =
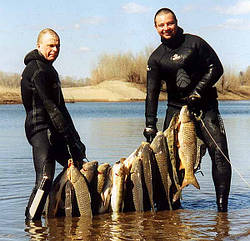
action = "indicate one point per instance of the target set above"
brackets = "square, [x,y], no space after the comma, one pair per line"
[192,181]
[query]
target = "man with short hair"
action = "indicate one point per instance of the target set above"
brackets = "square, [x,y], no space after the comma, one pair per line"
[48,125]
[190,68]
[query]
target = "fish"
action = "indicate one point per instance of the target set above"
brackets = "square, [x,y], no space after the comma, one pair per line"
[171,138]
[147,156]
[80,185]
[187,147]
[137,189]
[89,170]
[130,159]
[103,175]
[55,195]
[201,151]
[119,173]
[104,186]
[69,199]
[159,147]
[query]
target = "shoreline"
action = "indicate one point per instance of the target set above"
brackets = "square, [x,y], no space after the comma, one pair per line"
[113,91]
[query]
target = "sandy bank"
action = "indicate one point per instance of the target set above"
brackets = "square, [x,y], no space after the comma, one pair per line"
[113,91]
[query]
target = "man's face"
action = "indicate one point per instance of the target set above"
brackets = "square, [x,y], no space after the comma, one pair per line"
[166,25]
[49,46]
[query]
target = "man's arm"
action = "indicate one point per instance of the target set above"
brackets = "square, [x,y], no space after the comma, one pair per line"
[211,64]
[63,125]
[152,98]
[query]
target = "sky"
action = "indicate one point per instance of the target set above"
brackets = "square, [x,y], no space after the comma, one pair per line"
[89,29]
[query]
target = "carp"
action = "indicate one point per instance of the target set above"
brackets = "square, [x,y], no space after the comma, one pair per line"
[159,147]
[187,147]
[81,189]
[119,173]
[136,179]
[171,137]
[55,195]
[89,170]
[145,153]
[104,186]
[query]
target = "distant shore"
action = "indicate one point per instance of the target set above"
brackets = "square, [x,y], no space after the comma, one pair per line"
[112,91]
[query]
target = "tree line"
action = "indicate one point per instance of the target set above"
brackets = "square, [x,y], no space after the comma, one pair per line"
[132,68]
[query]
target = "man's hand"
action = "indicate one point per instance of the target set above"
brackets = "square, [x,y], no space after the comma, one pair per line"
[77,151]
[150,132]
[194,101]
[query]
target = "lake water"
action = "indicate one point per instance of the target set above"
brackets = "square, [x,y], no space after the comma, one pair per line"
[111,131]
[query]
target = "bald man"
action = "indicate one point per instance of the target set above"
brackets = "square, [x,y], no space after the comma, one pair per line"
[48,125]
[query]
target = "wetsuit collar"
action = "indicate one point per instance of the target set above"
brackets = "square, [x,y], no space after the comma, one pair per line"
[175,41]
[36,55]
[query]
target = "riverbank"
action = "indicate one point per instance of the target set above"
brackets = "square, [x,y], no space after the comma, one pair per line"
[112,91]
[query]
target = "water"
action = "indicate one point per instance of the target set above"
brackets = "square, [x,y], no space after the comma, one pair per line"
[111,131]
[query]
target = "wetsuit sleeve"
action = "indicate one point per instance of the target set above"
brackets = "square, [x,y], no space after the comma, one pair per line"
[212,66]
[62,123]
[153,91]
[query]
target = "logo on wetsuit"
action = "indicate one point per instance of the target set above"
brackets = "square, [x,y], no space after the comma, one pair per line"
[176,57]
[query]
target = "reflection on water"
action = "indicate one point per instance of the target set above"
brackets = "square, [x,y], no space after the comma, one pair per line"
[165,225]
[111,131]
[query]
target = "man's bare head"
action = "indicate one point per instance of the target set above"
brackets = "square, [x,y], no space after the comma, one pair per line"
[48,44]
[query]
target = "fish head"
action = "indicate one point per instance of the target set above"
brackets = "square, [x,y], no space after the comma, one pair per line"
[184,114]
[90,166]
[120,170]
[102,169]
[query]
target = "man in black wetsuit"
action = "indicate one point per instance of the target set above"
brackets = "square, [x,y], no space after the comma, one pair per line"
[190,68]
[48,126]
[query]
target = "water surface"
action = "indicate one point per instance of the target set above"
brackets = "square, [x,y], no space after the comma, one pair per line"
[111,131]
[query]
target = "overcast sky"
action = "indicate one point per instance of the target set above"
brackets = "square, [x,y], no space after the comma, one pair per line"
[91,28]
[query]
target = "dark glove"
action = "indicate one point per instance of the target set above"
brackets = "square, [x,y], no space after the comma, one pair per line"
[194,102]
[77,152]
[150,132]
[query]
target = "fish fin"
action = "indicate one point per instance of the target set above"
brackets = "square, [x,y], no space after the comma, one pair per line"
[181,166]
[177,195]
[102,197]
[193,181]
[122,160]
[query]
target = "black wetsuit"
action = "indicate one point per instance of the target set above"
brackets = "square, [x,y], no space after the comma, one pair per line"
[189,55]
[48,126]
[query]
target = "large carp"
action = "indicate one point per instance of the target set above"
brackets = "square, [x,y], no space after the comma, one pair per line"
[104,186]
[81,190]
[89,170]
[159,147]
[119,173]
[136,179]
[171,136]
[187,147]
[103,171]
[146,154]
[55,195]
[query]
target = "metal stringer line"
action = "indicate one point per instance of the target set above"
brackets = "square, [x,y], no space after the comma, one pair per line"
[235,169]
